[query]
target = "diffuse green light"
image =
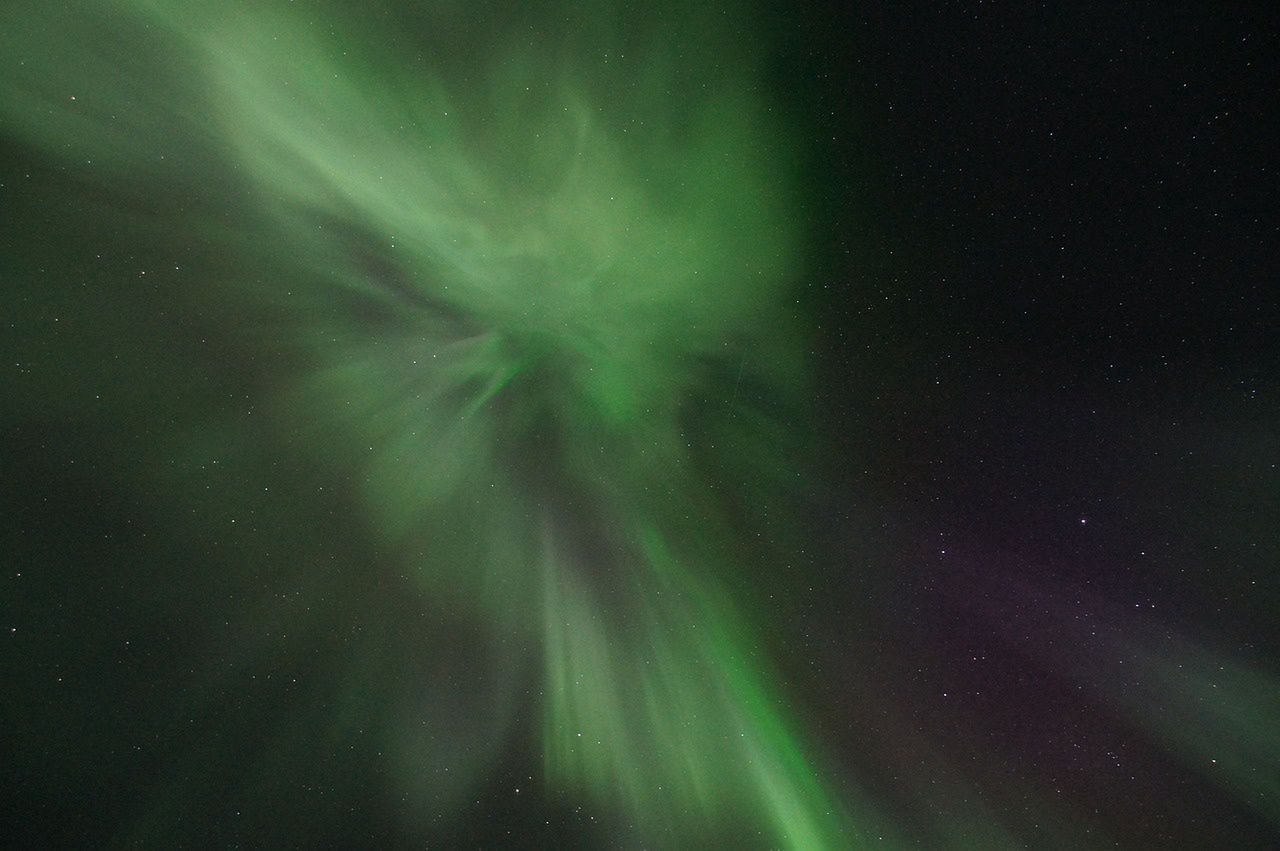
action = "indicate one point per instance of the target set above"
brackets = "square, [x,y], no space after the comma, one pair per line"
[502,275]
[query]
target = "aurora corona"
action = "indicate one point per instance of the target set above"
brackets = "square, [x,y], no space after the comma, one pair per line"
[528,288]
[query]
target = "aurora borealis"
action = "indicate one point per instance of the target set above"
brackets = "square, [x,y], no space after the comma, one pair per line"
[458,424]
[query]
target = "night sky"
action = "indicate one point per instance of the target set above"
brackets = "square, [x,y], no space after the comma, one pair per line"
[599,425]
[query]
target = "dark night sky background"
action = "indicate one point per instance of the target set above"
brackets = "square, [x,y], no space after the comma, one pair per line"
[1046,287]
[1061,310]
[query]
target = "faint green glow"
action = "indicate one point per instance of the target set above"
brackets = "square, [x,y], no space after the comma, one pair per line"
[1217,713]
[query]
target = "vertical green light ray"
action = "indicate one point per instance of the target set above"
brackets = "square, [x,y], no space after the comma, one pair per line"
[665,716]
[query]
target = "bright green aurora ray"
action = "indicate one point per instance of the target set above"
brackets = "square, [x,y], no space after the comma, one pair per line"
[529,285]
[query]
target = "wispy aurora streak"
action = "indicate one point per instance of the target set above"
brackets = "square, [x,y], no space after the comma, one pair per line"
[533,289]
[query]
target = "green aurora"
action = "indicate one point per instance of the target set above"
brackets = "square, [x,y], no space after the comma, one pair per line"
[532,296]
[516,286]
